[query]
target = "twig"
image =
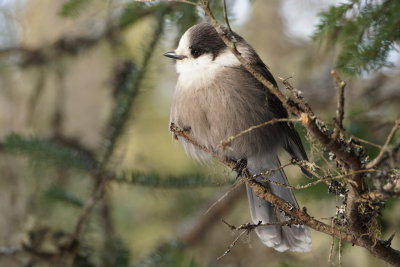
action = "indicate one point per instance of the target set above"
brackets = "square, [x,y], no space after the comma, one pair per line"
[228,142]
[180,132]
[224,196]
[340,85]
[90,204]
[383,151]
[271,171]
[232,245]
[297,95]
[366,141]
[252,226]
[388,242]
[248,228]
[206,220]
[340,253]
[226,17]
[178,1]
[330,257]
[320,180]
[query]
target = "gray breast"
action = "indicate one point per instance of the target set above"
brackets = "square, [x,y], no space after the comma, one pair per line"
[217,109]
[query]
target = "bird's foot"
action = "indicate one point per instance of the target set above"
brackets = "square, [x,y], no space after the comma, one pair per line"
[241,164]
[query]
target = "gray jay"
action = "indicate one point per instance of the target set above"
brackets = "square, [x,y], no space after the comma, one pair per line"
[215,98]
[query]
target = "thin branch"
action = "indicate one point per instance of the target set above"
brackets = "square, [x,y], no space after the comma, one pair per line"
[182,133]
[177,1]
[232,245]
[330,257]
[340,253]
[248,228]
[320,179]
[383,151]
[366,142]
[156,180]
[224,196]
[252,226]
[340,85]
[297,95]
[228,142]
[206,220]
[226,17]
[88,208]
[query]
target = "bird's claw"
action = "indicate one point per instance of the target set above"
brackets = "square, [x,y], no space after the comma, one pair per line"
[241,164]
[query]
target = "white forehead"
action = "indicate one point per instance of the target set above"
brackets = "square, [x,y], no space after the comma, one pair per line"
[184,43]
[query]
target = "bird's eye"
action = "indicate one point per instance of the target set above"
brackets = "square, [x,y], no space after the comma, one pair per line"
[196,52]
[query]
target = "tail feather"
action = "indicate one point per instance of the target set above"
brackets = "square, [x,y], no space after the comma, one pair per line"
[295,237]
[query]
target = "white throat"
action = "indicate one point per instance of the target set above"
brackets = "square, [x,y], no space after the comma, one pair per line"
[197,73]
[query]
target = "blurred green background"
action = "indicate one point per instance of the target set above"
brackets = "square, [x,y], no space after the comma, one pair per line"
[64,68]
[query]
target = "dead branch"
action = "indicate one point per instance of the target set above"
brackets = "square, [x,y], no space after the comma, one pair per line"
[248,228]
[252,226]
[301,216]
[206,219]
[177,1]
[228,142]
[89,206]
[232,244]
[384,149]
[340,85]
[297,96]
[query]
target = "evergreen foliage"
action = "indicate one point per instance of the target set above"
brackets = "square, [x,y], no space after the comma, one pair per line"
[116,253]
[155,180]
[130,89]
[65,156]
[44,151]
[62,195]
[134,11]
[72,8]
[366,31]
[167,255]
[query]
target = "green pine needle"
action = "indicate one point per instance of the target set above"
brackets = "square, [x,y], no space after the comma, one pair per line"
[60,194]
[45,151]
[365,31]
[171,181]
[73,8]
[130,90]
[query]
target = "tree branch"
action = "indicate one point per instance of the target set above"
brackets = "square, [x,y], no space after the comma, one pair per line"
[340,85]
[383,151]
[228,142]
[376,247]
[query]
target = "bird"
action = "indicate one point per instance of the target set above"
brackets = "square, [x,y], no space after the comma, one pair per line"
[216,98]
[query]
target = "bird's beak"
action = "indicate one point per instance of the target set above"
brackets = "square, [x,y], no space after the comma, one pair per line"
[173,55]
